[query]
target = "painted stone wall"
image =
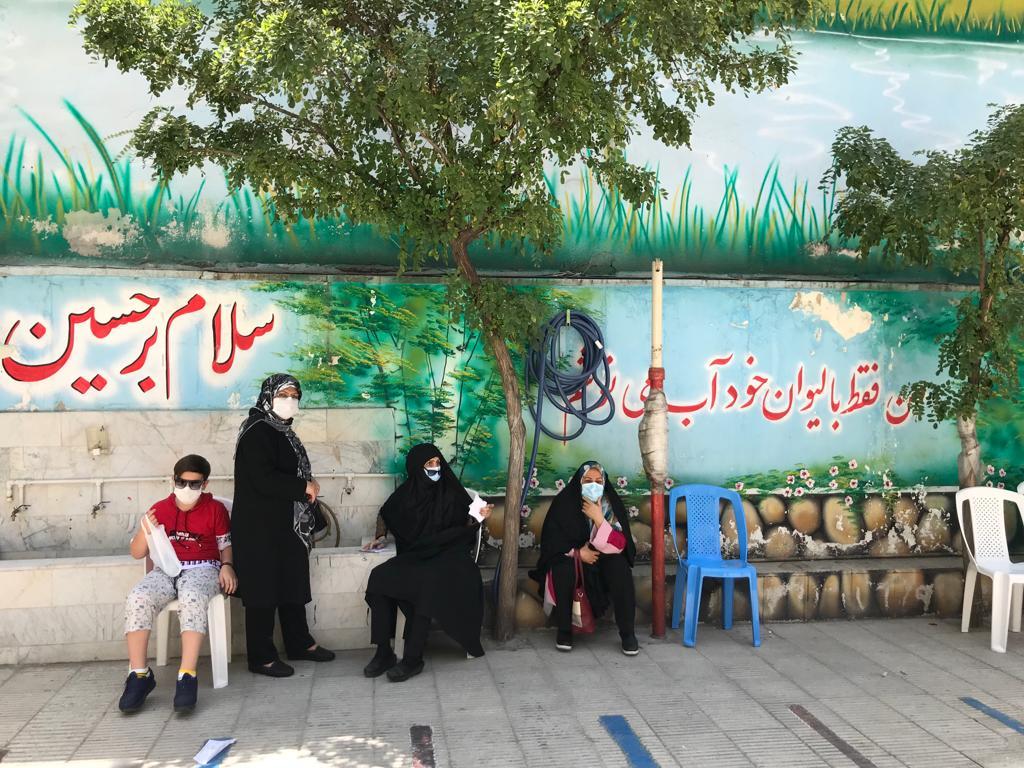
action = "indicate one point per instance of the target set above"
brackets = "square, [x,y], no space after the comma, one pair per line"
[744,199]
[789,394]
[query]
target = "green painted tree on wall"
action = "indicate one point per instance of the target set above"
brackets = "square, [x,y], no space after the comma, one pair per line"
[436,121]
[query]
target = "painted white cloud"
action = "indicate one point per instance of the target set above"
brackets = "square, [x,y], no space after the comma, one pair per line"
[846,322]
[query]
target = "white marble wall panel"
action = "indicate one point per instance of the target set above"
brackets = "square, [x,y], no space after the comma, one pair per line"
[60,520]
[72,609]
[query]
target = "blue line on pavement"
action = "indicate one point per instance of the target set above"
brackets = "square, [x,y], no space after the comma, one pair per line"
[994,713]
[624,735]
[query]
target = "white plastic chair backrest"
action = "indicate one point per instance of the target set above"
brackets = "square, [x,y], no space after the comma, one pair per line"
[987,523]
[1020,488]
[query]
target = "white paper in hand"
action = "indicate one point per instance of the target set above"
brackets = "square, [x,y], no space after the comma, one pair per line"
[211,750]
[160,550]
[476,506]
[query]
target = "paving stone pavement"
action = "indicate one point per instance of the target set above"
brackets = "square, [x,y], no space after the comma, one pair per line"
[882,693]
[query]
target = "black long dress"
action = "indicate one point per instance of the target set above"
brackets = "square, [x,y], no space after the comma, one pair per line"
[271,561]
[566,528]
[432,570]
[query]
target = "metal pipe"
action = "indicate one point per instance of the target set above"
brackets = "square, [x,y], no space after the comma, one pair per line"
[99,482]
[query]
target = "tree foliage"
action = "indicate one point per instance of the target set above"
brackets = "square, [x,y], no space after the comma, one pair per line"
[961,211]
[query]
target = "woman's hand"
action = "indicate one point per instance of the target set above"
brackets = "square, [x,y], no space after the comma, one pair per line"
[377,543]
[588,555]
[228,579]
[312,491]
[486,511]
[593,510]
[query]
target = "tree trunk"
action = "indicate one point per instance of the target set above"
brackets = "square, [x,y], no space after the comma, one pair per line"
[968,470]
[505,625]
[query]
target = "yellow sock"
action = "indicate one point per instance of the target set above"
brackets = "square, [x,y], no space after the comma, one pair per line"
[183,672]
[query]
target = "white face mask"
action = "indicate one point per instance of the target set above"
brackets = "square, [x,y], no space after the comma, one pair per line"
[286,407]
[187,496]
[433,474]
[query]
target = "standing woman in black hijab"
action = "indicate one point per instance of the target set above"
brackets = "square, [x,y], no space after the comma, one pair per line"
[588,520]
[433,575]
[272,522]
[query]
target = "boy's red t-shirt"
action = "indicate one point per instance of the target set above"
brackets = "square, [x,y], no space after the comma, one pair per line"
[194,534]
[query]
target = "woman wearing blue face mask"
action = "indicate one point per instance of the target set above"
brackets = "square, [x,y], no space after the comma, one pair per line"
[588,521]
[433,576]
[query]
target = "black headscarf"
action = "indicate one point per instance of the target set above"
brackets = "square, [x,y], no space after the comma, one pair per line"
[263,411]
[566,527]
[426,515]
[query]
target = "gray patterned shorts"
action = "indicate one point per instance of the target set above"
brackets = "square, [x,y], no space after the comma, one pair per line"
[195,588]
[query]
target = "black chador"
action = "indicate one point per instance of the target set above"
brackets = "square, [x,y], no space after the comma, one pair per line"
[433,576]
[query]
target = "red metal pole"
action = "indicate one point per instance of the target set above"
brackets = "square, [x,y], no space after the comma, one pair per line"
[657,378]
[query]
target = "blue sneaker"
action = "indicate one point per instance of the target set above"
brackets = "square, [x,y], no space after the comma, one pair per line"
[185,693]
[136,689]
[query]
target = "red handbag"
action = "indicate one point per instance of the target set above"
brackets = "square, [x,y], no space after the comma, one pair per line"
[582,614]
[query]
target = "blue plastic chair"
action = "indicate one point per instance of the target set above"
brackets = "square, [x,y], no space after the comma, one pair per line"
[704,557]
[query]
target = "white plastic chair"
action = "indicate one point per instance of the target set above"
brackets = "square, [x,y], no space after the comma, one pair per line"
[990,557]
[218,614]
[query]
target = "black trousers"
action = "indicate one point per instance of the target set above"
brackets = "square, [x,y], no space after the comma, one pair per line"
[259,632]
[384,619]
[616,577]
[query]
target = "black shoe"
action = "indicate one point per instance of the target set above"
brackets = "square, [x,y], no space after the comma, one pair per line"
[405,669]
[277,669]
[136,689]
[630,646]
[563,641]
[380,664]
[317,654]
[185,693]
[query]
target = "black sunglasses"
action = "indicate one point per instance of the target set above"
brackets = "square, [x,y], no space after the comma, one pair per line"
[195,485]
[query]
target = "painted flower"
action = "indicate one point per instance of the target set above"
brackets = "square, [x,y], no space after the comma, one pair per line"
[833,484]
[852,464]
[669,482]
[804,474]
[787,492]
[886,482]
[559,484]
[854,483]
[810,482]
[739,486]
[524,512]
[989,483]
[790,479]
[1002,472]
[798,492]
[848,501]
[534,482]
[526,540]
[833,470]
[634,512]
[990,470]
[622,482]
[1000,485]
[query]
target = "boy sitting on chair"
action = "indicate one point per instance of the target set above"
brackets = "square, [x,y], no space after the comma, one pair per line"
[200,532]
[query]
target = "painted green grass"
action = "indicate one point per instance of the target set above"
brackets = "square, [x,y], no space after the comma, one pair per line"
[986,20]
[780,224]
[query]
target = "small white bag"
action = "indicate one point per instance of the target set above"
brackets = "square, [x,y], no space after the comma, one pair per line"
[160,550]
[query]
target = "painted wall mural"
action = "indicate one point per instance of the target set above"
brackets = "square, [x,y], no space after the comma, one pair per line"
[769,388]
[744,199]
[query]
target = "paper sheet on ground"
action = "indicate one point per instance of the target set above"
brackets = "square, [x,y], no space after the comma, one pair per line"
[211,750]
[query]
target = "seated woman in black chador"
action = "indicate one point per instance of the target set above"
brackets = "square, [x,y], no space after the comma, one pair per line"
[588,519]
[433,576]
